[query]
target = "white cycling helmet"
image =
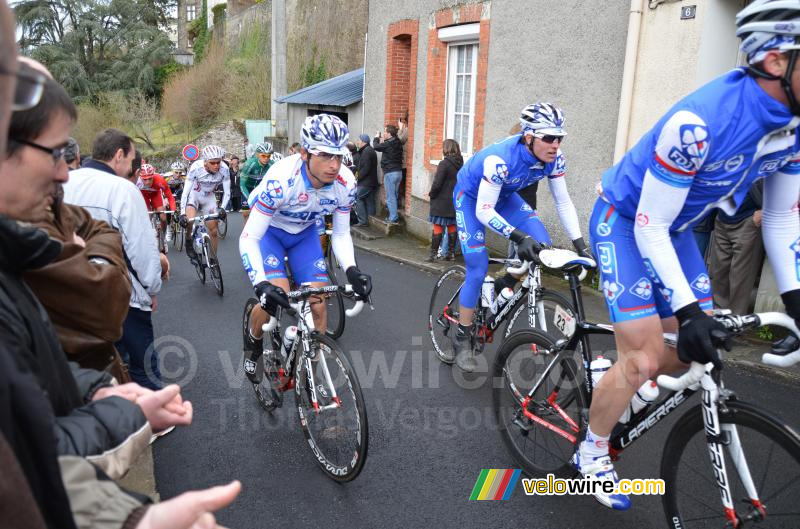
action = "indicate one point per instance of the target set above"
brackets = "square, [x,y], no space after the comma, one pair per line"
[276,156]
[543,118]
[324,133]
[212,152]
[178,167]
[347,159]
[264,148]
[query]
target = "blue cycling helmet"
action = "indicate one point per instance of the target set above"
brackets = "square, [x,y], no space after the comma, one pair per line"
[543,118]
[324,133]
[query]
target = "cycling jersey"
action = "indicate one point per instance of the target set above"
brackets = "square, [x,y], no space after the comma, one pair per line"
[704,153]
[200,184]
[152,192]
[285,200]
[251,174]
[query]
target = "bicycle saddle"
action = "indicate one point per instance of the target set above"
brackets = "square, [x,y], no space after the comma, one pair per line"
[564,259]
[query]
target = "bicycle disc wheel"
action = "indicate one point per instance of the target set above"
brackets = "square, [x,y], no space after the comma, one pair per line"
[772,452]
[214,269]
[519,364]
[222,228]
[443,310]
[335,311]
[338,436]
[557,312]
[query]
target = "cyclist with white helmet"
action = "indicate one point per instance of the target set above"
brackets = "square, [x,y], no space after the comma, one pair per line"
[198,197]
[486,195]
[254,170]
[286,205]
[704,153]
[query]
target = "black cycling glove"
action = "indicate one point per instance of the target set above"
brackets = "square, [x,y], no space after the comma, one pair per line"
[527,247]
[361,282]
[222,214]
[183,220]
[270,297]
[700,335]
[582,249]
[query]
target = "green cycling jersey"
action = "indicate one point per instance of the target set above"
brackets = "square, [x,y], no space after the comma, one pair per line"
[251,174]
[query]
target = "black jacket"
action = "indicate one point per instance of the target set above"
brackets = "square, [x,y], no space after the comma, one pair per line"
[367,167]
[442,188]
[392,149]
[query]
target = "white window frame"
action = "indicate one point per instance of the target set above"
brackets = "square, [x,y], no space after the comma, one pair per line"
[191,12]
[450,94]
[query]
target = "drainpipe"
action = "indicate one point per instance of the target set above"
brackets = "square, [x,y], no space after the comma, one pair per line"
[628,76]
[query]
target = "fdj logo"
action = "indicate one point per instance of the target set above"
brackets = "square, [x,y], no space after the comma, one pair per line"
[274,189]
[693,149]
[612,288]
[271,261]
[320,265]
[702,283]
[497,224]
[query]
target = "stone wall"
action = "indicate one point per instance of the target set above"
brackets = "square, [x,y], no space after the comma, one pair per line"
[229,135]
[235,23]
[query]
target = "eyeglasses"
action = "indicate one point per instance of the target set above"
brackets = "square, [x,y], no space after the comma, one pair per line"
[551,139]
[328,156]
[28,89]
[57,153]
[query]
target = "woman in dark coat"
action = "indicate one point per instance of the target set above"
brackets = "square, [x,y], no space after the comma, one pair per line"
[443,214]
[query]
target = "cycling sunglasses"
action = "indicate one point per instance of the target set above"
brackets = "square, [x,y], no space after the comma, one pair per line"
[551,139]
[28,90]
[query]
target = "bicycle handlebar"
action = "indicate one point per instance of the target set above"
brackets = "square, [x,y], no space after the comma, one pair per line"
[306,293]
[690,378]
[213,216]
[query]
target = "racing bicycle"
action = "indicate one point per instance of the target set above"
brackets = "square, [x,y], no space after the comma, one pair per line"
[725,463]
[206,257]
[327,394]
[155,221]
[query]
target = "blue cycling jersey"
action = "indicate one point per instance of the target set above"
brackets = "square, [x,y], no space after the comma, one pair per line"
[508,163]
[716,142]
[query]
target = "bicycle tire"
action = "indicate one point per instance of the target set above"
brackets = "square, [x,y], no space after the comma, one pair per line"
[347,466]
[334,305]
[200,269]
[552,450]
[179,235]
[685,458]
[214,269]
[337,275]
[550,300]
[440,326]
[222,228]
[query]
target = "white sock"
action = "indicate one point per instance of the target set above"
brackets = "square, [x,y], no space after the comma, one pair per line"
[594,446]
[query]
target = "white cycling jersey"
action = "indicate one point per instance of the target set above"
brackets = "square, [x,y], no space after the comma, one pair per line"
[201,183]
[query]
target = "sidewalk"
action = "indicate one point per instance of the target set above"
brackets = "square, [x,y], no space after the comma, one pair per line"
[408,250]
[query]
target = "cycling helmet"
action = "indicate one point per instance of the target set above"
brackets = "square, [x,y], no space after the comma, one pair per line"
[71,150]
[324,133]
[147,170]
[212,152]
[276,156]
[542,118]
[347,159]
[264,148]
[767,25]
[178,167]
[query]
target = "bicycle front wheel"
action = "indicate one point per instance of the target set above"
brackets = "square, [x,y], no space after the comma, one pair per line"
[443,311]
[336,425]
[214,269]
[762,444]
[334,306]
[222,228]
[540,431]
[552,314]
[179,234]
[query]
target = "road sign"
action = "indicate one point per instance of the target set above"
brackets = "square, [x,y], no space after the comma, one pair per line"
[191,152]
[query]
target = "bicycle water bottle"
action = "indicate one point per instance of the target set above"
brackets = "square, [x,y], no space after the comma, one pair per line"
[487,292]
[598,368]
[644,397]
[502,299]
[288,340]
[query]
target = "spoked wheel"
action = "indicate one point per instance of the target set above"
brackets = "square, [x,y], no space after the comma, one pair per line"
[443,311]
[771,451]
[269,392]
[527,425]
[179,236]
[334,303]
[222,227]
[336,428]
[214,269]
[552,314]
[338,277]
[200,269]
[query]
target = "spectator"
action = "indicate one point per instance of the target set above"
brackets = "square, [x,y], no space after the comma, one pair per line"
[392,165]
[443,214]
[367,180]
[72,154]
[120,203]
[737,252]
[352,160]
[236,193]
[294,148]
[249,150]
[402,135]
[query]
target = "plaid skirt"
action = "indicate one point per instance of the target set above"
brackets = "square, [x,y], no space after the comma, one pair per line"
[441,221]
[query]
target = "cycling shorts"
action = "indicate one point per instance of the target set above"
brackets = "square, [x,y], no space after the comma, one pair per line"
[304,251]
[204,203]
[630,285]
[472,234]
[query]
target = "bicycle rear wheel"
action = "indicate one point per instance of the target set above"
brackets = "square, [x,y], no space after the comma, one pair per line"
[443,310]
[338,436]
[531,430]
[334,305]
[178,235]
[552,314]
[222,227]
[214,269]
[772,454]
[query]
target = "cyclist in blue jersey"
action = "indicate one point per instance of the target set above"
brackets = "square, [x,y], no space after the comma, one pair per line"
[704,153]
[486,195]
[293,195]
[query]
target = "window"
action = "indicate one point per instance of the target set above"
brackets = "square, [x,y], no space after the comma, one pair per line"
[191,13]
[462,69]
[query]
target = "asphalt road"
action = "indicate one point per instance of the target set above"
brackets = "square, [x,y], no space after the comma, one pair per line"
[429,435]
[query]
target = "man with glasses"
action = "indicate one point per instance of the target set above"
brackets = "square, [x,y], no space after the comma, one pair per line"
[286,205]
[198,196]
[486,195]
[254,170]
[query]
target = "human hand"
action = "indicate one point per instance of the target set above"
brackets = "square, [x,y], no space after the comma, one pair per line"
[757,218]
[164,267]
[161,410]
[133,392]
[191,510]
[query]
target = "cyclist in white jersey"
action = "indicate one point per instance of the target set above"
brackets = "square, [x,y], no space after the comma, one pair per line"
[284,207]
[198,198]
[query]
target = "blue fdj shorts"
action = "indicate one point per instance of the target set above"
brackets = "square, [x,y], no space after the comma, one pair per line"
[472,234]
[631,287]
[304,251]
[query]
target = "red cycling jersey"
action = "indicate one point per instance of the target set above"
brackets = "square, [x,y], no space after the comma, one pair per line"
[152,193]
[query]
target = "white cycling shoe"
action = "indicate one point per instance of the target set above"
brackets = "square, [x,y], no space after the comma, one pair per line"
[602,468]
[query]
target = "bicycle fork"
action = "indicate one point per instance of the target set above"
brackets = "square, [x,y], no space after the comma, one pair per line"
[718,435]
[311,385]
